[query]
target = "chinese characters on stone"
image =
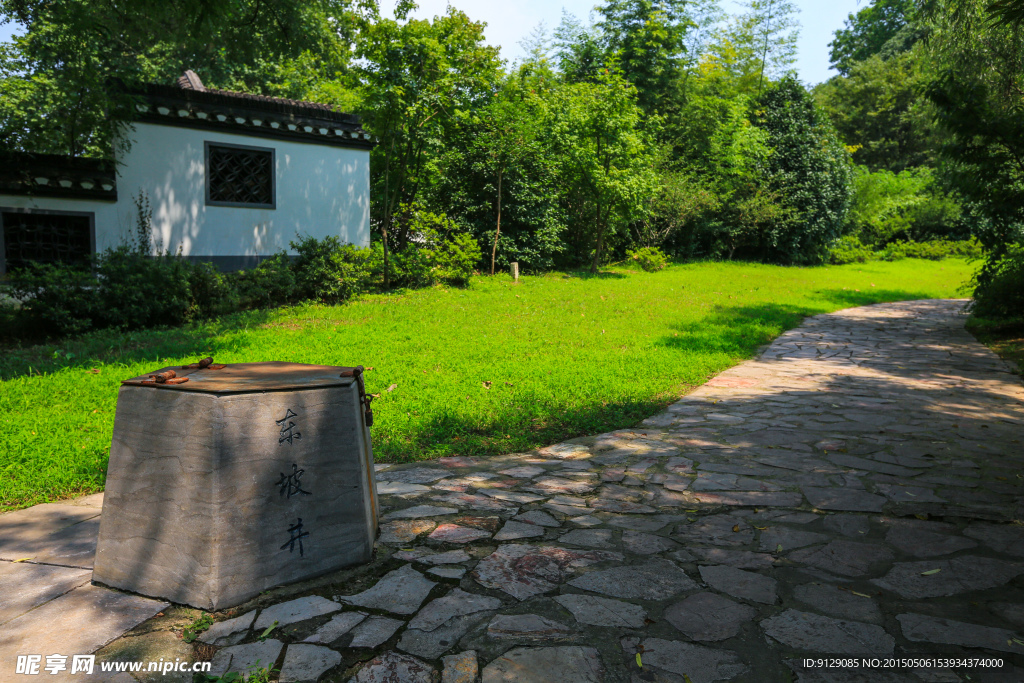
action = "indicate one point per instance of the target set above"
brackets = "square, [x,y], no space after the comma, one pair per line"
[291,484]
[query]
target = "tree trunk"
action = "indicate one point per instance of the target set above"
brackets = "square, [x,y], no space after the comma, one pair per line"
[494,249]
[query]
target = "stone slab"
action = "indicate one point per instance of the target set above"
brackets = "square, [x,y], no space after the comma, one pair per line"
[843,604]
[305,663]
[923,628]
[751,498]
[339,625]
[594,611]
[229,631]
[523,571]
[843,499]
[418,511]
[708,616]
[537,664]
[374,631]
[809,632]
[457,603]
[79,622]
[657,579]
[538,517]
[297,610]
[741,559]
[590,538]
[741,584]
[959,575]
[453,533]
[847,558]
[400,591]
[394,667]
[460,668]
[434,643]
[27,585]
[701,664]
[646,544]
[242,658]
[526,627]
[448,572]
[515,530]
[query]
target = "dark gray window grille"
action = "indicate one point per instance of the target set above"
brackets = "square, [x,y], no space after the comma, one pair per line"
[45,238]
[240,176]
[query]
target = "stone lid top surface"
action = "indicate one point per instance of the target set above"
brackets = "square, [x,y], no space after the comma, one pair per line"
[235,378]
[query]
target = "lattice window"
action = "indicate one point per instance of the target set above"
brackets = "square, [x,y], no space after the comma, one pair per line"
[240,176]
[45,238]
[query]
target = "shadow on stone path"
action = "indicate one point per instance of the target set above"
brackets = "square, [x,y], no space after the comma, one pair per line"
[852,492]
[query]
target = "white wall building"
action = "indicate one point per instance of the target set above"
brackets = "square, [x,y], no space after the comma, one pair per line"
[230,178]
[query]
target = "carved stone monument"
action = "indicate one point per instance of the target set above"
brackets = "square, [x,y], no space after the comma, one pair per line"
[227,480]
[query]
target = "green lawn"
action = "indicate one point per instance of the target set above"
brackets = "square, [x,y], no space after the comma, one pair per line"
[564,355]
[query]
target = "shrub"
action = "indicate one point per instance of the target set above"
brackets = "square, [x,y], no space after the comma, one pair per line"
[438,251]
[328,271]
[55,298]
[999,286]
[810,171]
[849,249]
[271,283]
[650,259]
[908,205]
[136,291]
[211,292]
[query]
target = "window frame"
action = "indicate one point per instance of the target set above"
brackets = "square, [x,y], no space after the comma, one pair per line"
[91,215]
[207,144]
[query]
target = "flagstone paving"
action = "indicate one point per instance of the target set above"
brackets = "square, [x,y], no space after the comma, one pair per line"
[854,491]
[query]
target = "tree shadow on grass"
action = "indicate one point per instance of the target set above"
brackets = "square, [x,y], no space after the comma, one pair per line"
[740,330]
[113,346]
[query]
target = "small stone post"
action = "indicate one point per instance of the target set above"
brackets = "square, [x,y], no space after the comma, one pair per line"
[515,270]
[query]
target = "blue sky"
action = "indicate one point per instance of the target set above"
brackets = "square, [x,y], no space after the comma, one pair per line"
[510,22]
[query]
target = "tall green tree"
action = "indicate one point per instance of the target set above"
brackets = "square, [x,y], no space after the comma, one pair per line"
[810,170]
[55,79]
[880,110]
[646,38]
[978,89]
[759,44]
[868,31]
[417,76]
[604,155]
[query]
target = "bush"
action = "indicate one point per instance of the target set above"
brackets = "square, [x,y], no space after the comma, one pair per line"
[850,249]
[271,283]
[134,290]
[999,286]
[438,252]
[907,206]
[650,259]
[55,298]
[328,271]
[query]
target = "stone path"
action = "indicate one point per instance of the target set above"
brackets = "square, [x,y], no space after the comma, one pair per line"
[853,491]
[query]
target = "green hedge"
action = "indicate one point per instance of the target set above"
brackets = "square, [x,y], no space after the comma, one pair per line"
[850,249]
[127,289]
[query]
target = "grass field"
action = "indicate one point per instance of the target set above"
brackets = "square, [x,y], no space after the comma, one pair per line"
[498,367]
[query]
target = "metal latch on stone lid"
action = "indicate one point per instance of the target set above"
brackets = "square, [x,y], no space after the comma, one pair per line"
[357,373]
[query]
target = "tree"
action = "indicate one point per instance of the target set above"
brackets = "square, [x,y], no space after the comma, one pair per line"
[978,90]
[757,43]
[501,157]
[646,39]
[579,50]
[418,74]
[55,80]
[603,154]
[809,169]
[879,109]
[868,31]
